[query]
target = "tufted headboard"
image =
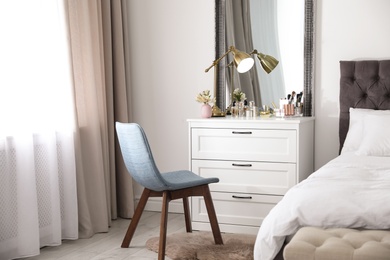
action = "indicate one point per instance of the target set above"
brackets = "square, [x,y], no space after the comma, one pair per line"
[363,84]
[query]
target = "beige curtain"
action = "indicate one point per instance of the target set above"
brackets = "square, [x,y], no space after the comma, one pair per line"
[97,37]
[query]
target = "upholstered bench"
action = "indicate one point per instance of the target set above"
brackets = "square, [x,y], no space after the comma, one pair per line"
[338,244]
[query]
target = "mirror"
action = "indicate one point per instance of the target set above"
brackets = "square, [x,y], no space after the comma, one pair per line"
[303,71]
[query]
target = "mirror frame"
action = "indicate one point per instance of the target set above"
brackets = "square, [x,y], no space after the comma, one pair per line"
[308,88]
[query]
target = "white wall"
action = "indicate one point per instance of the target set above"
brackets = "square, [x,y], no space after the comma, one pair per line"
[346,30]
[172,42]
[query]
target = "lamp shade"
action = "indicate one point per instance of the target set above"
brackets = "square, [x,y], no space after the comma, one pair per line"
[268,62]
[242,60]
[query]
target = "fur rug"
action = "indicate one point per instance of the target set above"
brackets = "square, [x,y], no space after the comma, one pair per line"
[200,246]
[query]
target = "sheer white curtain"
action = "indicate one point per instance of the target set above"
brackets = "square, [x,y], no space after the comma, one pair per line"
[38,203]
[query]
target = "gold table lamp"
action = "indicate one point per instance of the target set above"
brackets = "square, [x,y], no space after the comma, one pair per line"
[243,62]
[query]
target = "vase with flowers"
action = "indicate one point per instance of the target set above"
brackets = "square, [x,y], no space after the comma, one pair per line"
[205,98]
[238,95]
[238,100]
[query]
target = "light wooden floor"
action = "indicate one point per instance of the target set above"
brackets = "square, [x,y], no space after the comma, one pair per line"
[107,246]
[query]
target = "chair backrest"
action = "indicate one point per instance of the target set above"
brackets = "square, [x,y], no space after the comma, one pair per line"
[138,157]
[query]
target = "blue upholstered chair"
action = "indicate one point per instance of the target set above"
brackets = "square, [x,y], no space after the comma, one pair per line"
[181,184]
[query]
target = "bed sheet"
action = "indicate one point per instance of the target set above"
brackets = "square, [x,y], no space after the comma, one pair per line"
[350,191]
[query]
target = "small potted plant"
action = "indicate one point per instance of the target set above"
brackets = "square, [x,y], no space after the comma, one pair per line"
[238,95]
[205,98]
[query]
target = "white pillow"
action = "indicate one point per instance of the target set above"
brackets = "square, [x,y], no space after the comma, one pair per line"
[376,136]
[356,123]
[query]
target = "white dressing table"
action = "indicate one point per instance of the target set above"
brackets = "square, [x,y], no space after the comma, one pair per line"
[256,160]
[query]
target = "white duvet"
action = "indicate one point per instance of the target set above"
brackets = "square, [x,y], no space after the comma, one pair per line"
[350,191]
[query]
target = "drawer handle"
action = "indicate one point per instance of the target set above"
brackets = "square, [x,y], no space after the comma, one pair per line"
[242,197]
[242,165]
[242,133]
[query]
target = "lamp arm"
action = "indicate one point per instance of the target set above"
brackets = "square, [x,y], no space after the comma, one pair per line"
[254,52]
[219,59]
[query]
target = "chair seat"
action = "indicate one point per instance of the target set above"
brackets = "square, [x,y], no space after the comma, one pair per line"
[177,180]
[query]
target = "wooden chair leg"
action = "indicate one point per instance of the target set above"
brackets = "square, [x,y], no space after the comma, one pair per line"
[163,225]
[212,216]
[187,215]
[137,215]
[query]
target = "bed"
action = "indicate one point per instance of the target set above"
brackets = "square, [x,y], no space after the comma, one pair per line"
[353,190]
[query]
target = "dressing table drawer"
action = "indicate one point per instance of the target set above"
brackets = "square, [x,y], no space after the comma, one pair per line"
[271,145]
[248,177]
[235,208]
